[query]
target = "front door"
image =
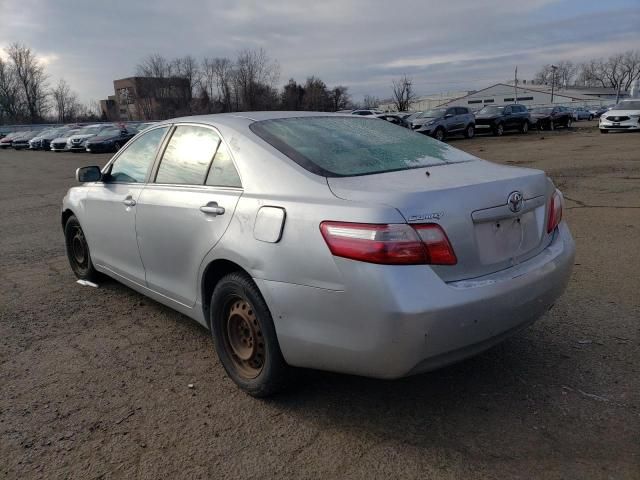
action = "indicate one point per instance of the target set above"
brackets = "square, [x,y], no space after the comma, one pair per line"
[184,212]
[110,216]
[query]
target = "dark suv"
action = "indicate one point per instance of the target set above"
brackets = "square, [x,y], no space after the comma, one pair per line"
[498,119]
[549,118]
[441,122]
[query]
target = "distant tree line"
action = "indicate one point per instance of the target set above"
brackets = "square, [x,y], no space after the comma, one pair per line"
[25,96]
[220,84]
[618,72]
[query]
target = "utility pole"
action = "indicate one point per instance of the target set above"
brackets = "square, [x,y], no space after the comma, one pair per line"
[553,80]
[515,84]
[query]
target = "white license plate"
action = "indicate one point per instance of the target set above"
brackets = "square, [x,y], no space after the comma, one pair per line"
[483,126]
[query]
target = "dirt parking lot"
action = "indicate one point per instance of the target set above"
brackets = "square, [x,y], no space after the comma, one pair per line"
[94,382]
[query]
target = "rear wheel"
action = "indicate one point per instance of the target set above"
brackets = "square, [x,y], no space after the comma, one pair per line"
[245,337]
[470,131]
[524,128]
[439,134]
[498,130]
[78,251]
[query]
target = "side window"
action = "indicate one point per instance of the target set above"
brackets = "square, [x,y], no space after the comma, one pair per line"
[223,173]
[450,111]
[507,110]
[133,163]
[462,111]
[188,155]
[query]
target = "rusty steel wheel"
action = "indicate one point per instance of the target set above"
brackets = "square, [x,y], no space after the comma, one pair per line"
[243,338]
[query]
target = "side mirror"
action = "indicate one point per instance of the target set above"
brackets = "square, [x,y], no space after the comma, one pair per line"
[88,174]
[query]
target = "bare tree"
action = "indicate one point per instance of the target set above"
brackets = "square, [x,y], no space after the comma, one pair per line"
[565,72]
[403,94]
[316,97]
[31,78]
[217,81]
[254,71]
[339,97]
[370,102]
[65,101]
[618,71]
[11,103]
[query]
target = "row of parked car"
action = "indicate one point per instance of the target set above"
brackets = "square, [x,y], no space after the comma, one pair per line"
[447,121]
[96,138]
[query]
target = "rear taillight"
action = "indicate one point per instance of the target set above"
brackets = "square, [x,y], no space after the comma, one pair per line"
[390,244]
[555,211]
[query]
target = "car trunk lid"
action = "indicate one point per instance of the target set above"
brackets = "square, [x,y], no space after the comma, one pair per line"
[470,200]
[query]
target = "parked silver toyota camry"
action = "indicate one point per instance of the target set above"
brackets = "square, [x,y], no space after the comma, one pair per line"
[326,241]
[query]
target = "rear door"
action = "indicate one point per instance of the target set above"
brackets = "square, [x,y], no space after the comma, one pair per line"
[186,209]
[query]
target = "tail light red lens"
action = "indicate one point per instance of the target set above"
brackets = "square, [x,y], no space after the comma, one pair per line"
[555,212]
[390,244]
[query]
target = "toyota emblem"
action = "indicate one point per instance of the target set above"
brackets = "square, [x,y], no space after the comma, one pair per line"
[515,201]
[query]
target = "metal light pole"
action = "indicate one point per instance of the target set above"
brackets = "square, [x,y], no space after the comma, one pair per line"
[553,80]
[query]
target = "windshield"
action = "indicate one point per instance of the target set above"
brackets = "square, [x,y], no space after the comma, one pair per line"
[493,110]
[628,105]
[438,112]
[90,130]
[343,146]
[542,110]
[110,132]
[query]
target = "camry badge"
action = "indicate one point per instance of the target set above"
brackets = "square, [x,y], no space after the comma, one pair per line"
[515,201]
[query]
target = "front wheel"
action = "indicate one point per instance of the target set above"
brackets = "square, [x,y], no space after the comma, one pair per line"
[117,146]
[470,131]
[524,128]
[245,337]
[78,251]
[498,130]
[439,134]
[569,122]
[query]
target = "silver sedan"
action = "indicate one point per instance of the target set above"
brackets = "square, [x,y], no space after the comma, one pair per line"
[324,241]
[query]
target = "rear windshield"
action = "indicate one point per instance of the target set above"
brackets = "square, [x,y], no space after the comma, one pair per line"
[350,146]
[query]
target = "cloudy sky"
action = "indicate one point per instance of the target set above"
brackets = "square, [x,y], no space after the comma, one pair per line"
[364,44]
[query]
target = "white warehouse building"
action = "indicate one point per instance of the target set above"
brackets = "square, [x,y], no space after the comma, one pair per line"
[503,94]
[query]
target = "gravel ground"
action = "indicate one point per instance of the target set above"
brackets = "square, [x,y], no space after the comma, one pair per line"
[94,382]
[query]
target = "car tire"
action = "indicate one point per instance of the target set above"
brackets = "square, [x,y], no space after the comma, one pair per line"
[552,125]
[470,131]
[117,146]
[569,122]
[590,117]
[439,134]
[498,130]
[604,131]
[78,251]
[524,128]
[245,337]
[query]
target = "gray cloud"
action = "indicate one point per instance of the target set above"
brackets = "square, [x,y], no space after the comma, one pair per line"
[360,43]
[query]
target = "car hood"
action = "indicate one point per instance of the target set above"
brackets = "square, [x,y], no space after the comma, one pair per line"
[623,113]
[540,115]
[60,139]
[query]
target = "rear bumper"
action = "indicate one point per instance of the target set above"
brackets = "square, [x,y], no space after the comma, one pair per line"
[390,322]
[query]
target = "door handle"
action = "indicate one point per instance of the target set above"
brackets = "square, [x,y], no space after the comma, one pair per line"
[212,208]
[129,202]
